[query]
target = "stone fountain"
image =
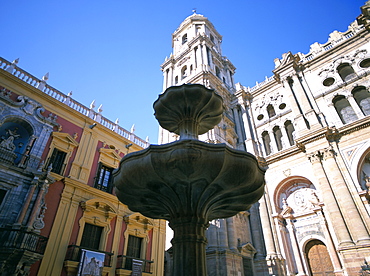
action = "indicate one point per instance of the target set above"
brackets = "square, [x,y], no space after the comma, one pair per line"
[189,182]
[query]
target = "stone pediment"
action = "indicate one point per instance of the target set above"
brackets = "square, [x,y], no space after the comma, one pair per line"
[109,157]
[287,58]
[247,250]
[65,139]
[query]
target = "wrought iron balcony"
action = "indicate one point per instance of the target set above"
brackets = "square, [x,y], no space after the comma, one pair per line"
[125,262]
[21,239]
[74,254]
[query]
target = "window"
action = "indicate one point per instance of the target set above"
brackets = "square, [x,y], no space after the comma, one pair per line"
[184,38]
[344,109]
[345,71]
[218,72]
[104,178]
[212,38]
[266,142]
[278,136]
[133,250]
[289,128]
[2,195]
[183,72]
[362,97]
[365,63]
[271,111]
[91,236]
[176,79]
[328,81]
[56,161]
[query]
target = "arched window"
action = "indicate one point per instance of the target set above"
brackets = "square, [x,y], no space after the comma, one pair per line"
[362,97]
[191,68]
[278,135]
[289,128]
[15,142]
[266,142]
[345,71]
[271,111]
[218,72]
[184,38]
[344,109]
[183,72]
[176,80]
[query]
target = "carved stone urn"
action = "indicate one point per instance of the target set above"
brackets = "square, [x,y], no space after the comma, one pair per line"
[189,182]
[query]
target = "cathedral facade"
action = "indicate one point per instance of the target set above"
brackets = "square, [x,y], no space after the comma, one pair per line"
[309,124]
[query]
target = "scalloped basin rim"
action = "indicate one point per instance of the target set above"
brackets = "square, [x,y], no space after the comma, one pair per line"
[185,141]
[189,178]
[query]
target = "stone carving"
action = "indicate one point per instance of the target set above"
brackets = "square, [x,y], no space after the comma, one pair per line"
[8,143]
[270,98]
[303,200]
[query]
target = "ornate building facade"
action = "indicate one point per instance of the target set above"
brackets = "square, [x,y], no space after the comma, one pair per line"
[58,211]
[310,123]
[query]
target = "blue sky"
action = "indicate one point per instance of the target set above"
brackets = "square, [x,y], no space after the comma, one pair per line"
[111,50]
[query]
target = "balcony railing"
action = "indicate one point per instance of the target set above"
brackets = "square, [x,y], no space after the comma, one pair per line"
[74,254]
[20,239]
[125,262]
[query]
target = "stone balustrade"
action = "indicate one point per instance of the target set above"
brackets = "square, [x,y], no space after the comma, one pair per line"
[335,38]
[66,99]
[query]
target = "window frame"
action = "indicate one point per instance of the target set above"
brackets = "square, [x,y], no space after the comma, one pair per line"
[99,177]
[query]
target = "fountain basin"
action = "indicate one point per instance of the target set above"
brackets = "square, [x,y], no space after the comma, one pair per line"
[189,179]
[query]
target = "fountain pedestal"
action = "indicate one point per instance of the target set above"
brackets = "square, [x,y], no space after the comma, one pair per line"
[189,182]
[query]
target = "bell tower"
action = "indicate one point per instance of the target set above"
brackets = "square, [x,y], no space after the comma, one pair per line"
[197,58]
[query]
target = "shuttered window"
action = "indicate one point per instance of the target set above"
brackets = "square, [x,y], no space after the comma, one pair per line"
[91,236]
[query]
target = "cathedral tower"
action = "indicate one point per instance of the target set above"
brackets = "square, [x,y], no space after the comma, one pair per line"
[197,58]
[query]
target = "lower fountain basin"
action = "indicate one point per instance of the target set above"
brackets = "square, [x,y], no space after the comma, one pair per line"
[189,178]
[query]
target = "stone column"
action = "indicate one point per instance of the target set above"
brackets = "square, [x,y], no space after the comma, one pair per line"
[212,235]
[257,235]
[335,116]
[267,230]
[332,208]
[344,198]
[273,144]
[285,244]
[171,77]
[299,120]
[294,243]
[238,126]
[284,137]
[26,204]
[165,79]
[196,57]
[231,234]
[355,106]
[249,131]
[304,102]
[204,57]
[116,239]
[329,242]
[36,205]
[223,234]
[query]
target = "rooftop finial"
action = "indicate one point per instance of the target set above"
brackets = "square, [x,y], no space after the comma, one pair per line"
[195,10]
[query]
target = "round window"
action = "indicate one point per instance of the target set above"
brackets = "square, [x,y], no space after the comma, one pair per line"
[260,117]
[282,106]
[328,81]
[365,63]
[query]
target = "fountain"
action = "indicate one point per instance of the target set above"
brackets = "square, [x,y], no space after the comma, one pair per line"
[189,182]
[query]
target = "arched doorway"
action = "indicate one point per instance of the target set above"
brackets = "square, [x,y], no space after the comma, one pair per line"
[319,262]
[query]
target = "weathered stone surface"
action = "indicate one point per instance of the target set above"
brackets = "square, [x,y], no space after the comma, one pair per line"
[189,178]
